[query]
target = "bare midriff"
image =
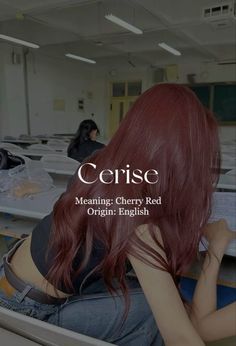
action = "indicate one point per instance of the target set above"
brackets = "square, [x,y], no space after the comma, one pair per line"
[23,266]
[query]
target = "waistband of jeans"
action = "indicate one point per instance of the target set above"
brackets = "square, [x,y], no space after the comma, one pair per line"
[20,286]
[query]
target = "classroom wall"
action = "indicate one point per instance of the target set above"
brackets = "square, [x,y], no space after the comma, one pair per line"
[59,80]
[207,72]
[49,80]
[54,79]
[12,93]
[2,88]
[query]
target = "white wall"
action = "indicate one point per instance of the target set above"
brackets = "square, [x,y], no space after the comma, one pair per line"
[57,78]
[51,79]
[2,96]
[48,79]
[12,94]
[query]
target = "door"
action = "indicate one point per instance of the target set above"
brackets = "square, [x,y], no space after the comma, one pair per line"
[118,109]
[124,95]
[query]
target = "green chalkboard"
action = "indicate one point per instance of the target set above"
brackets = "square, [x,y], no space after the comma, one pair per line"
[220,98]
[224,103]
[203,93]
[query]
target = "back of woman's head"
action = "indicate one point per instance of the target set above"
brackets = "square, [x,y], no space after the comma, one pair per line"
[167,129]
[83,133]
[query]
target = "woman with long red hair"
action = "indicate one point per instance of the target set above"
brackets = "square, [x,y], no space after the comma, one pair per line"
[72,270]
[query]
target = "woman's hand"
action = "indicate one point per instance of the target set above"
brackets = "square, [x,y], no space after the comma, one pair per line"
[218,234]
[210,323]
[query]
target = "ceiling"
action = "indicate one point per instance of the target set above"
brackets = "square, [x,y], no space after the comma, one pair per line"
[79,27]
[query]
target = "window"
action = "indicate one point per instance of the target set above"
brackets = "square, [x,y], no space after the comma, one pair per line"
[134,88]
[118,89]
[123,89]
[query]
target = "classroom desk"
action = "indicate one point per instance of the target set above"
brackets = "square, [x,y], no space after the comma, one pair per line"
[15,226]
[231,172]
[37,153]
[225,171]
[226,164]
[59,147]
[21,141]
[228,155]
[62,135]
[227,274]
[230,148]
[227,182]
[63,168]
[36,206]
[230,250]
[45,139]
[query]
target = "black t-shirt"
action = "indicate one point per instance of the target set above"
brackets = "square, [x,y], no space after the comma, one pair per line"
[43,258]
[84,150]
[39,248]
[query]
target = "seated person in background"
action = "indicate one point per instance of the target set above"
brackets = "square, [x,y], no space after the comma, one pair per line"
[213,324]
[84,143]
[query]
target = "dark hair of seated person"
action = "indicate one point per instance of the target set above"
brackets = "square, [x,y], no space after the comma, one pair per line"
[84,143]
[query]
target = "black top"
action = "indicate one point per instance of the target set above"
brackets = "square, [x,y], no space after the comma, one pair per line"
[39,247]
[43,258]
[82,151]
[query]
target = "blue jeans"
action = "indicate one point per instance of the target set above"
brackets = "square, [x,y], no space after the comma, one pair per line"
[95,313]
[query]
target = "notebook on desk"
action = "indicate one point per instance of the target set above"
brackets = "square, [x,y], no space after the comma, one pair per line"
[224,207]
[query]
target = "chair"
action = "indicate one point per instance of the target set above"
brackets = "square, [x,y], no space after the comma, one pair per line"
[41,333]
[12,339]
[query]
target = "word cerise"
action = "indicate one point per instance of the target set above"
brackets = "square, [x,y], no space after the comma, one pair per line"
[108,176]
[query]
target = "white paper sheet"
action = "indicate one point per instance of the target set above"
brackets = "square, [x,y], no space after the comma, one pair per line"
[224,207]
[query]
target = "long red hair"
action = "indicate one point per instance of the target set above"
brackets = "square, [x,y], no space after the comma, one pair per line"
[166,129]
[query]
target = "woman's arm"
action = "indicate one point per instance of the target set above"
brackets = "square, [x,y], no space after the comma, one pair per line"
[212,324]
[164,300]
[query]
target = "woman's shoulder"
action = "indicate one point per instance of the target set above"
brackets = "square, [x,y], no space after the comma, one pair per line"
[148,232]
[150,235]
[144,230]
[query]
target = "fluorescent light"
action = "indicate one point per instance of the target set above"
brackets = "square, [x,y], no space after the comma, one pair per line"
[169,49]
[77,57]
[16,40]
[124,24]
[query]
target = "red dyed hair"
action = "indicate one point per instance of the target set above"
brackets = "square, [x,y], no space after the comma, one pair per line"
[166,129]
